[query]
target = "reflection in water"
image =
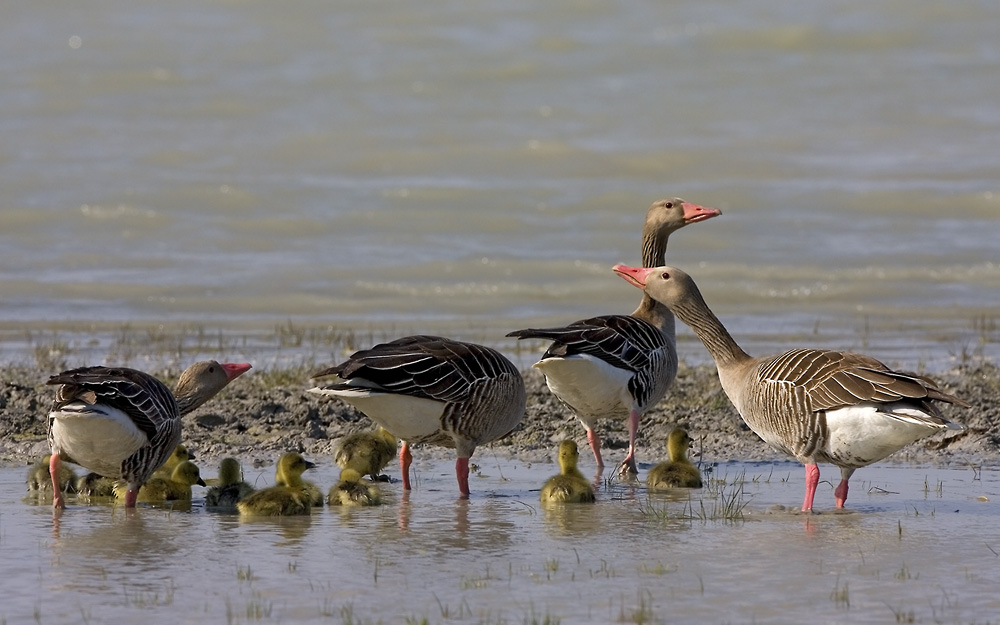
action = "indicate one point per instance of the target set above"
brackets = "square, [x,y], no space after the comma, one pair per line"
[632,554]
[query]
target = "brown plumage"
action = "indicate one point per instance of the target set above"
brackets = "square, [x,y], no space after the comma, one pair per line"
[430,389]
[619,366]
[817,405]
[123,423]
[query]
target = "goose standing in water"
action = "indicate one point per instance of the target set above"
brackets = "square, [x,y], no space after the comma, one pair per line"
[429,389]
[817,405]
[619,366]
[678,471]
[367,452]
[287,500]
[569,486]
[124,423]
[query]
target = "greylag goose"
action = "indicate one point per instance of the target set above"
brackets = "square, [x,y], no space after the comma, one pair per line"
[569,486]
[351,491]
[429,389]
[124,423]
[677,472]
[367,452]
[230,488]
[288,500]
[619,366]
[817,405]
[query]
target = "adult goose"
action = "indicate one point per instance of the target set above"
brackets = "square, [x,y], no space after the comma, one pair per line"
[817,405]
[429,389]
[619,366]
[124,423]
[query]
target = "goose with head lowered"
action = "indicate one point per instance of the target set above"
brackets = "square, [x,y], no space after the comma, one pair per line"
[123,423]
[430,389]
[619,366]
[818,405]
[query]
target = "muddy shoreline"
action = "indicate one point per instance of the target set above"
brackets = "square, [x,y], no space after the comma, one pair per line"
[266,413]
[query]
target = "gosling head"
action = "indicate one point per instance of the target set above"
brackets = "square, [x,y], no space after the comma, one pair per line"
[187,473]
[230,472]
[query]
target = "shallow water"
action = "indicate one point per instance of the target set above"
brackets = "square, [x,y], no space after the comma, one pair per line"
[919,544]
[431,166]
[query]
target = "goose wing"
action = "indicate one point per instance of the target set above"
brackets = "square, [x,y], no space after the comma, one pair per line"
[146,400]
[428,367]
[835,379]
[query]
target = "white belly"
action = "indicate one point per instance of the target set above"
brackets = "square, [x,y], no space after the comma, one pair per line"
[405,417]
[592,387]
[860,435]
[96,437]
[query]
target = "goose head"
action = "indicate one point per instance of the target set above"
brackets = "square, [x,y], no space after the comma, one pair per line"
[203,380]
[667,285]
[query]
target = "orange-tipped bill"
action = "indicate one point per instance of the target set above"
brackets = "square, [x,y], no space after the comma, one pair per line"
[694,213]
[637,276]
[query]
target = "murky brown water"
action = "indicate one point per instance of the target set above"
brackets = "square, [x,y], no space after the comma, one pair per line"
[920,545]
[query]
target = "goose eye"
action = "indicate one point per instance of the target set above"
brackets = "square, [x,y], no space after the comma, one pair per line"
[668,205]
[211,369]
[665,275]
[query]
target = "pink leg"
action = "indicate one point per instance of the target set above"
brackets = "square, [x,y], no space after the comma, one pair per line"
[812,481]
[131,495]
[628,465]
[462,472]
[405,458]
[841,492]
[55,464]
[595,446]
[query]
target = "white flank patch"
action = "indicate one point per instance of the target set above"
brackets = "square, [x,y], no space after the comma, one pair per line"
[406,417]
[97,437]
[864,432]
[590,385]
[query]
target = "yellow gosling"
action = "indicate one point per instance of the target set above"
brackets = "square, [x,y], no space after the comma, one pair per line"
[678,472]
[312,491]
[230,488]
[178,487]
[569,486]
[351,491]
[179,455]
[287,499]
[367,452]
[40,480]
[95,485]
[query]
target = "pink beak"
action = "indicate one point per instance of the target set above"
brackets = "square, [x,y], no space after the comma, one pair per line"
[235,370]
[694,213]
[637,276]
